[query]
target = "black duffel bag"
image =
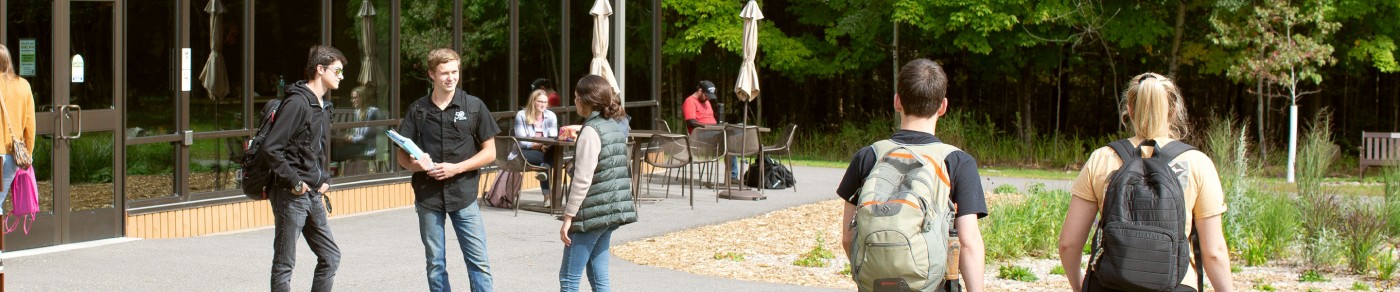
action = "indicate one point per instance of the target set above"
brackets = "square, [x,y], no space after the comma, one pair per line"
[777,176]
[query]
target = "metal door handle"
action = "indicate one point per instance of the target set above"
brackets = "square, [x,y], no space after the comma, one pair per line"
[75,113]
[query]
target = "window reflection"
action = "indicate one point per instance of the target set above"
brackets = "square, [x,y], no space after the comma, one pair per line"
[361,31]
[211,111]
[285,31]
[150,171]
[361,150]
[150,98]
[31,22]
[213,163]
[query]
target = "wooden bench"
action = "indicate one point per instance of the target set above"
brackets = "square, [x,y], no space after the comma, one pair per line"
[1379,149]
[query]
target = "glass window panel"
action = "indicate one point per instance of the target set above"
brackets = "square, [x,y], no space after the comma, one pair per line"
[539,51]
[212,163]
[211,112]
[90,171]
[31,22]
[362,150]
[426,25]
[94,44]
[365,78]
[150,171]
[285,31]
[638,61]
[486,52]
[150,99]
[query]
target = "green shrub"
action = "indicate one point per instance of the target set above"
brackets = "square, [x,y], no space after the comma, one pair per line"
[1005,189]
[815,257]
[1227,144]
[1018,273]
[1264,287]
[1362,232]
[1359,286]
[1027,228]
[1272,225]
[1386,264]
[92,158]
[1391,177]
[1057,270]
[1316,153]
[846,270]
[1312,276]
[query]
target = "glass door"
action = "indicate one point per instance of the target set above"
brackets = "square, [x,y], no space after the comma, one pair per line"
[77,145]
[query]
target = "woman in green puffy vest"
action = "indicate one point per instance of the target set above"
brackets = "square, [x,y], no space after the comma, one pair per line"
[600,197]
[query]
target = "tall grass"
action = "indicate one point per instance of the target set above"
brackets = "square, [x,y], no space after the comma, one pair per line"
[1391,176]
[1227,144]
[1030,227]
[1272,223]
[1363,227]
[1318,210]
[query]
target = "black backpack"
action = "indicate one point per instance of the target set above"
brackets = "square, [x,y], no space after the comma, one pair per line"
[777,176]
[254,175]
[1141,244]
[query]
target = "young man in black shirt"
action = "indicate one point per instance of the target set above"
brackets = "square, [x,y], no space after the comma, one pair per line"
[455,130]
[295,147]
[920,99]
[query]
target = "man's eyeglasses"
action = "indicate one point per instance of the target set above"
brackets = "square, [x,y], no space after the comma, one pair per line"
[337,70]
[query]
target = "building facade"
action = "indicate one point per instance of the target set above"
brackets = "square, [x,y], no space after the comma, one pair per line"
[142,105]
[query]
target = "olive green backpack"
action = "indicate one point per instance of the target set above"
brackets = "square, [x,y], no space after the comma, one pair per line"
[903,221]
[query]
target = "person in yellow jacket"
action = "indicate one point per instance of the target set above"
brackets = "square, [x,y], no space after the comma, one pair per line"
[18,100]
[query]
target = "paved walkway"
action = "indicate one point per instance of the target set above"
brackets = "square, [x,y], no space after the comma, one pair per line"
[381,251]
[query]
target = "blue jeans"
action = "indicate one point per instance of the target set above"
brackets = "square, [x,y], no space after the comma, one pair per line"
[304,216]
[588,251]
[8,172]
[471,236]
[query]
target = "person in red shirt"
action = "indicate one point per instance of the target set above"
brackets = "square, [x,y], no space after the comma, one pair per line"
[697,109]
[698,113]
[543,84]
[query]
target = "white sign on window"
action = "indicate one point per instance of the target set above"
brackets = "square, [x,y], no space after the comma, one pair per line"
[77,68]
[27,58]
[186,76]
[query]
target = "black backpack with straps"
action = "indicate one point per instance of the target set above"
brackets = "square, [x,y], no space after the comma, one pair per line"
[1141,244]
[254,175]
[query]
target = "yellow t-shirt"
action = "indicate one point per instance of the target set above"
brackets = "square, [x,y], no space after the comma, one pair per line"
[1199,181]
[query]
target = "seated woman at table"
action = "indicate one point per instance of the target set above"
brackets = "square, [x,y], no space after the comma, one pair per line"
[538,122]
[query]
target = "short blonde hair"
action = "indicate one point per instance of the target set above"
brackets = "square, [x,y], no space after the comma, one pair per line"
[1153,107]
[440,56]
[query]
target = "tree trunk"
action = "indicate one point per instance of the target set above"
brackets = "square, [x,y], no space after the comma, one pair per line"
[1176,40]
[1263,149]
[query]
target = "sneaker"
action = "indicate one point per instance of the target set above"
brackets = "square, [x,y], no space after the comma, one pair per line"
[541,176]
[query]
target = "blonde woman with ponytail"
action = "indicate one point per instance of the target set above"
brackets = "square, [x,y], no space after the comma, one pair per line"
[1154,109]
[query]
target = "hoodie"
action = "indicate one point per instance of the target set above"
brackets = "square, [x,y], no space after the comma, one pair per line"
[296,143]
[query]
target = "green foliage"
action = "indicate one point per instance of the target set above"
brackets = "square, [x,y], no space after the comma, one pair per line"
[1057,270]
[1027,228]
[1018,273]
[1359,286]
[816,257]
[1277,40]
[1264,287]
[846,270]
[92,158]
[1316,155]
[730,256]
[1227,145]
[1312,276]
[1362,230]
[1272,227]
[1386,264]
[1391,176]
[1005,189]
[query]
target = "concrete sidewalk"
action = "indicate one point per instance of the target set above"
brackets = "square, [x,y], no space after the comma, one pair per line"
[382,252]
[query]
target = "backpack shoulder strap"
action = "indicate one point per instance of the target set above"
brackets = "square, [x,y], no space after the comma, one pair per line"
[1172,150]
[1125,150]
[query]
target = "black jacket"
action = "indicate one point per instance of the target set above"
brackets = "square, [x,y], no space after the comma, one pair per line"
[296,143]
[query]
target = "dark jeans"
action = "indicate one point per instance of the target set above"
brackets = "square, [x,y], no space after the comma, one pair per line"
[540,158]
[305,216]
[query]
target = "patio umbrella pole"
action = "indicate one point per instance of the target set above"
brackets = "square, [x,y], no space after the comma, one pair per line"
[746,90]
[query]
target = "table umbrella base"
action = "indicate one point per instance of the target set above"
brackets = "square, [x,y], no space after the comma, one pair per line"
[747,195]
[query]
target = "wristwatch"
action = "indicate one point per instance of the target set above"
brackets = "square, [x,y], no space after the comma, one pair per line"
[299,189]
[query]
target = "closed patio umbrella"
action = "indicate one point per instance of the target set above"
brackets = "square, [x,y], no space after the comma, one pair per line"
[746,88]
[601,10]
[369,73]
[213,77]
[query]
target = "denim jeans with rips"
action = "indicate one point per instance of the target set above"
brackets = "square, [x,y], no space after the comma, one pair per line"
[302,215]
[471,236]
[588,251]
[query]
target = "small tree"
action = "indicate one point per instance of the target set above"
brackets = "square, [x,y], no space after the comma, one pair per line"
[1280,44]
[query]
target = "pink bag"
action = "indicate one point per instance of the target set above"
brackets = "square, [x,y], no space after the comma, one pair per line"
[24,194]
